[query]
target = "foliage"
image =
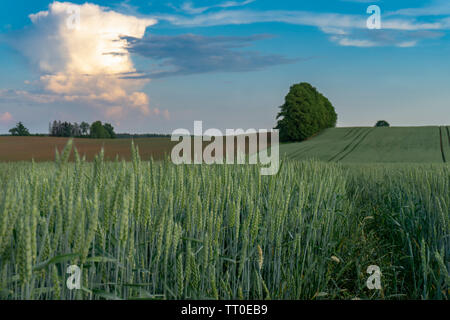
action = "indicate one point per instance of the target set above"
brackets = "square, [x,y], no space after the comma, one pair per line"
[19,130]
[109,128]
[382,123]
[84,127]
[100,131]
[64,129]
[97,130]
[305,113]
[152,230]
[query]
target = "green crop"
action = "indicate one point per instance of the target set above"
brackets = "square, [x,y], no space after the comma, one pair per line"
[153,230]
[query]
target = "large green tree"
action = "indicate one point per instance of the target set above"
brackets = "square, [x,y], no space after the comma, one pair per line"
[98,131]
[19,130]
[304,113]
[110,130]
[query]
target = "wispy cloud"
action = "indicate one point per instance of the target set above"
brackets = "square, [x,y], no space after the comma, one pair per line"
[378,38]
[349,42]
[192,54]
[435,8]
[361,1]
[304,18]
[239,17]
[343,28]
[189,7]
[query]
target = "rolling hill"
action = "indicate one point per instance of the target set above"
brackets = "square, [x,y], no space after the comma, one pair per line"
[375,145]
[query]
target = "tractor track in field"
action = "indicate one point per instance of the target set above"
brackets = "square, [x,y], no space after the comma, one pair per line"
[349,132]
[359,132]
[448,135]
[357,144]
[308,149]
[442,144]
[296,153]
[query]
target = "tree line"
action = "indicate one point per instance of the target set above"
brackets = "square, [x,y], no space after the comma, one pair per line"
[83,130]
[96,130]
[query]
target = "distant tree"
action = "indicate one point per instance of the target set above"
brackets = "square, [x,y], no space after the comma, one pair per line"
[76,130]
[98,131]
[56,129]
[305,113]
[19,130]
[52,128]
[84,126]
[67,129]
[382,123]
[110,130]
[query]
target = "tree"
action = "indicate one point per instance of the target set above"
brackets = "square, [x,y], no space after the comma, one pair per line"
[382,123]
[19,130]
[305,113]
[98,131]
[76,130]
[84,126]
[67,129]
[56,129]
[110,130]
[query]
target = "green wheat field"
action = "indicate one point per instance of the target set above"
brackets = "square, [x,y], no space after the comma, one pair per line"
[153,230]
[375,145]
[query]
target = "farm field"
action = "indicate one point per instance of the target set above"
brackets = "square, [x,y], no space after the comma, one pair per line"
[153,230]
[374,145]
[346,145]
[42,149]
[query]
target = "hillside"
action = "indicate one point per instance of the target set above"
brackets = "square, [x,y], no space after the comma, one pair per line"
[375,145]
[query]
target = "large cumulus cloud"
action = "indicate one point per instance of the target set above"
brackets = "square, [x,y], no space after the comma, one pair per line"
[85,60]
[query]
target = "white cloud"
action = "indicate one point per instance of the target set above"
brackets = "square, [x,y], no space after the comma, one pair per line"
[87,63]
[325,21]
[435,8]
[338,31]
[410,25]
[189,7]
[229,17]
[342,25]
[407,44]
[347,42]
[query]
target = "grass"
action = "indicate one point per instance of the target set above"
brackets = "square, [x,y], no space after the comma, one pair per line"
[153,230]
[372,145]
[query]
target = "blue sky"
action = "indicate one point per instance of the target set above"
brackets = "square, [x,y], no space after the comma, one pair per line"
[154,66]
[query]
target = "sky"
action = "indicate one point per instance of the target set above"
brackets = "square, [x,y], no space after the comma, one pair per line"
[155,66]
